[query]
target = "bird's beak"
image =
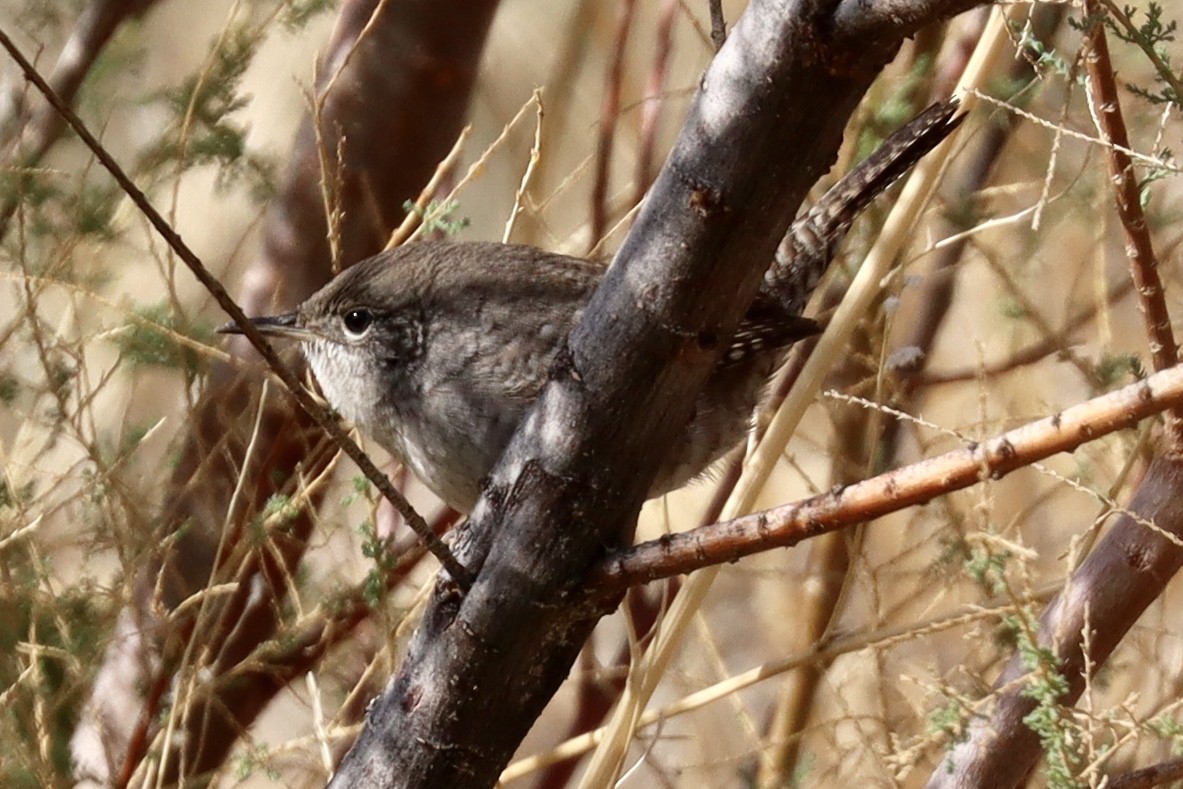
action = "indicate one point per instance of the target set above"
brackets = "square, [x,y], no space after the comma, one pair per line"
[273,326]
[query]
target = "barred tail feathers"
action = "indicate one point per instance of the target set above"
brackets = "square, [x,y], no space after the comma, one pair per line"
[813,238]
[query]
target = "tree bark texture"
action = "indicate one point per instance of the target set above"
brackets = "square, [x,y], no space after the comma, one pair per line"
[764,126]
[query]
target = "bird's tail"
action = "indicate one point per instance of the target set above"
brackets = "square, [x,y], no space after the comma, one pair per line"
[813,238]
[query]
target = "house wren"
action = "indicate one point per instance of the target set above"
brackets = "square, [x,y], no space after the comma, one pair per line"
[437,349]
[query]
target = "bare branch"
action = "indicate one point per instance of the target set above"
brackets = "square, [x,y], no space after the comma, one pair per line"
[895,490]
[1106,107]
[1147,777]
[1130,566]
[609,118]
[718,24]
[860,19]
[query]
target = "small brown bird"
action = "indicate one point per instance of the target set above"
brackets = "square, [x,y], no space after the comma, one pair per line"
[438,349]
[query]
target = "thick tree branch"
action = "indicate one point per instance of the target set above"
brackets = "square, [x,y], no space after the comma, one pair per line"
[864,20]
[576,472]
[1148,777]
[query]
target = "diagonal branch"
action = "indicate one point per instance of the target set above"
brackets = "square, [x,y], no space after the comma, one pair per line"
[417,56]
[578,468]
[1078,632]
[319,413]
[893,491]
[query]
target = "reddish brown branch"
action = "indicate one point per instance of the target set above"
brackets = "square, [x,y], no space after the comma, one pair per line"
[893,491]
[574,475]
[1156,775]
[1130,566]
[1123,575]
[1106,106]
[654,100]
[609,117]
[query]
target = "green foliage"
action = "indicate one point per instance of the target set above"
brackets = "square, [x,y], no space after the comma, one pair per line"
[32,189]
[806,765]
[1061,739]
[438,217]
[281,506]
[1169,728]
[256,757]
[61,375]
[23,495]
[1043,56]
[201,130]
[151,340]
[361,488]
[92,209]
[9,387]
[948,721]
[1010,308]
[895,109]
[1112,368]
[54,205]
[43,642]
[1156,174]
[988,568]
[1151,36]
[378,549]
[54,209]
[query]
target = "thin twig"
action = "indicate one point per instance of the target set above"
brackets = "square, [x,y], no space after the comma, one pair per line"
[819,653]
[414,218]
[423,217]
[433,543]
[29,134]
[1054,343]
[535,151]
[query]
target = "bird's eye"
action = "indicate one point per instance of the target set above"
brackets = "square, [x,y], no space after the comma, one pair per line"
[357,322]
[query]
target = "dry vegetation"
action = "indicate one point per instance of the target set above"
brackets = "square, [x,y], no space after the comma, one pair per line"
[855,658]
